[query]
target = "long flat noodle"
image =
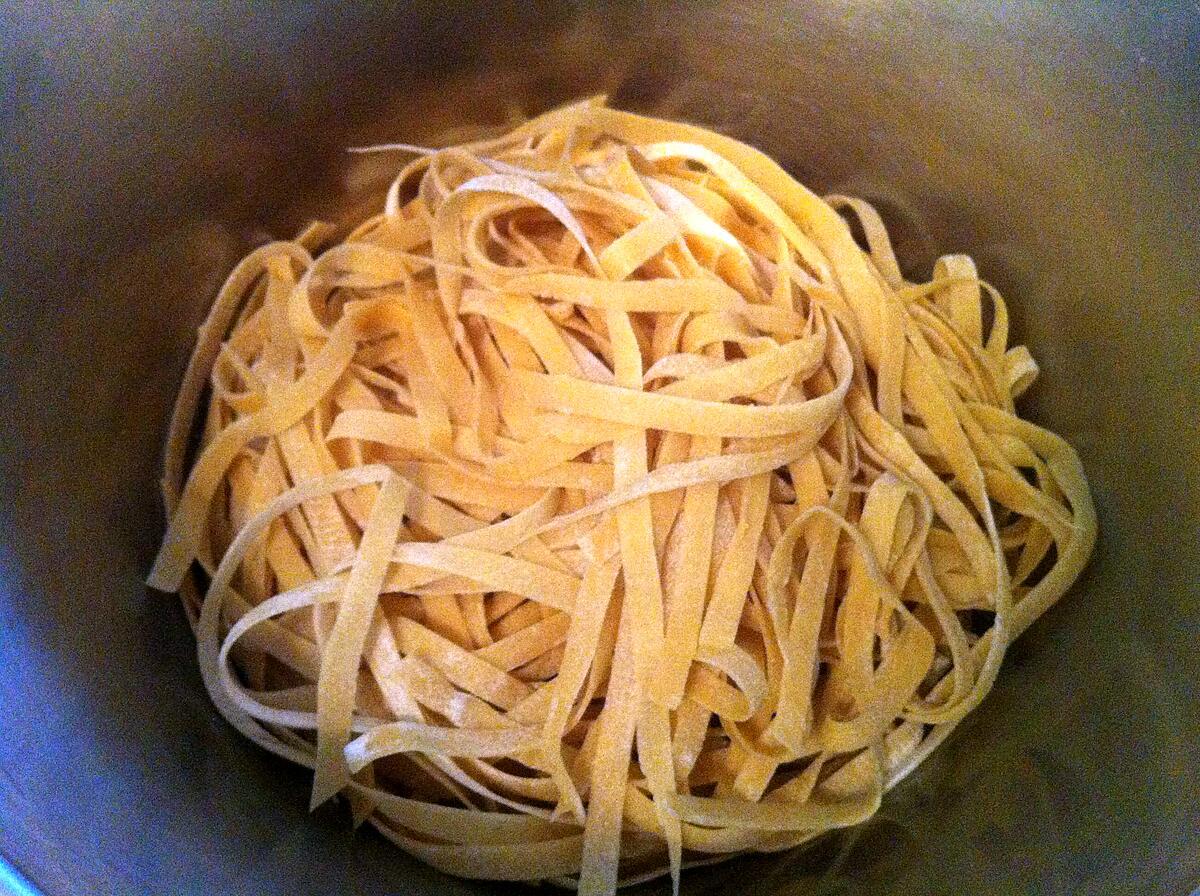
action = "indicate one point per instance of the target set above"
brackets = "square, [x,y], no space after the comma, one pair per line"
[343,651]
[330,532]
[583,637]
[878,243]
[527,189]
[530,321]
[403,737]
[526,645]
[698,517]
[792,723]
[492,861]
[657,296]
[621,509]
[635,247]
[747,190]
[642,612]
[741,378]
[681,475]
[497,572]
[653,741]
[777,816]
[459,825]
[610,771]
[452,483]
[688,217]
[670,413]
[461,667]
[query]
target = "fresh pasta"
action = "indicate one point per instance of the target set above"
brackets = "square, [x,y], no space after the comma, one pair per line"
[602,506]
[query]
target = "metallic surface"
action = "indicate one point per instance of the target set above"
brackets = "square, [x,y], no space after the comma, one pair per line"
[143,147]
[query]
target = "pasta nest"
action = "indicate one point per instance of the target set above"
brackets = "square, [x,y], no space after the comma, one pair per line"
[602,506]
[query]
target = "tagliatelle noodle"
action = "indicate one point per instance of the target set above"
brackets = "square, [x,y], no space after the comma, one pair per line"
[601,507]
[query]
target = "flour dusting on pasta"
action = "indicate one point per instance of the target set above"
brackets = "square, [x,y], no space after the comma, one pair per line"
[600,507]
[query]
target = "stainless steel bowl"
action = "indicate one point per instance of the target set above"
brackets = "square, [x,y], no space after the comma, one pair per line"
[145,146]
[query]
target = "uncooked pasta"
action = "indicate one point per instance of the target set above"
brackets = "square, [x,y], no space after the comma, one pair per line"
[608,503]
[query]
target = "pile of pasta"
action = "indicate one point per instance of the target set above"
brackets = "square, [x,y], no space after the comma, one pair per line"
[602,506]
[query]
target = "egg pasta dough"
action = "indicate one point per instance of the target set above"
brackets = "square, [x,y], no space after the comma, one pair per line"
[602,507]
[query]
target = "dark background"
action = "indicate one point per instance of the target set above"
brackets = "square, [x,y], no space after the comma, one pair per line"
[143,148]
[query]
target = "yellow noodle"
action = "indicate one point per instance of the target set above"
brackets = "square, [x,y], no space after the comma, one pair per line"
[604,509]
